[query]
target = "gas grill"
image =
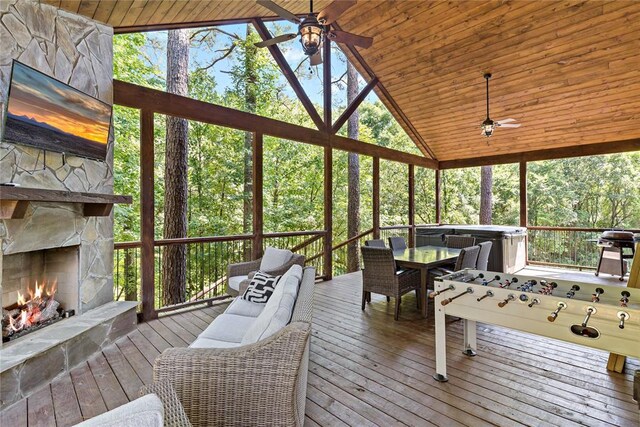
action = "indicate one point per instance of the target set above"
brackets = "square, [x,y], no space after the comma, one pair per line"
[612,256]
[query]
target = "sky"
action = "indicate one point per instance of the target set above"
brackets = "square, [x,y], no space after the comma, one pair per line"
[49,101]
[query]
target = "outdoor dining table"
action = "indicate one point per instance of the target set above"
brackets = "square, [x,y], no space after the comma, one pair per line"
[423,258]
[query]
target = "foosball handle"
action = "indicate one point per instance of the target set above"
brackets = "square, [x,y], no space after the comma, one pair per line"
[625,298]
[488,294]
[596,297]
[533,302]
[435,294]
[552,317]
[502,303]
[623,316]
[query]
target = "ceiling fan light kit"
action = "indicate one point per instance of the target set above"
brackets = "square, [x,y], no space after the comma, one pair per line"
[489,126]
[314,28]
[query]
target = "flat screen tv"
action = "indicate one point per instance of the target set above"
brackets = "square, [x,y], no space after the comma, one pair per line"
[45,113]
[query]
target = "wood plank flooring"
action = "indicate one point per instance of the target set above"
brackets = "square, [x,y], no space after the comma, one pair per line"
[366,370]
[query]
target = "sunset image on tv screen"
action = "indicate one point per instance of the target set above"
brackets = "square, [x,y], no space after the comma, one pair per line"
[51,115]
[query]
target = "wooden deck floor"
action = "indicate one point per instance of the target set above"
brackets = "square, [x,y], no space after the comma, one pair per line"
[366,369]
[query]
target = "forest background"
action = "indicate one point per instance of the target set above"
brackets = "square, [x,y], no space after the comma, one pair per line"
[224,68]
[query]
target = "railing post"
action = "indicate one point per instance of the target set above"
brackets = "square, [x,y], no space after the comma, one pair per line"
[147,255]
[258,209]
[412,206]
[328,212]
[376,197]
[438,179]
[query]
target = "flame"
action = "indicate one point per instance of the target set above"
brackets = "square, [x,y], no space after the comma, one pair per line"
[39,299]
[21,300]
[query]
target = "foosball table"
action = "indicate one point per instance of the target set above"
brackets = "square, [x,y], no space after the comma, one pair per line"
[599,316]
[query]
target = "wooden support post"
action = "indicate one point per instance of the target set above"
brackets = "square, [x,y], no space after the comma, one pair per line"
[438,178]
[326,82]
[523,195]
[376,197]
[258,210]
[412,206]
[147,214]
[328,212]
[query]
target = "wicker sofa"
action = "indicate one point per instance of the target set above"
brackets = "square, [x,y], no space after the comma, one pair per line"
[218,383]
[274,262]
[263,383]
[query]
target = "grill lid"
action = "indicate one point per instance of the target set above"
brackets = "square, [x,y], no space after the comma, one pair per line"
[617,235]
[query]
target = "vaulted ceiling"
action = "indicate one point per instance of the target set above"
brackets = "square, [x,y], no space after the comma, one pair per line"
[569,71]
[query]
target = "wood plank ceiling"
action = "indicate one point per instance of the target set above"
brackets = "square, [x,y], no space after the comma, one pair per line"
[569,71]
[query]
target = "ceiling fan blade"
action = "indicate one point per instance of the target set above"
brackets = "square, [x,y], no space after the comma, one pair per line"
[348,38]
[316,59]
[505,121]
[330,13]
[280,11]
[512,125]
[275,40]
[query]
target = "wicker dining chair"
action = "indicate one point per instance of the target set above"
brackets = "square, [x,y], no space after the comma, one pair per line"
[459,242]
[397,243]
[380,276]
[467,258]
[483,256]
[375,243]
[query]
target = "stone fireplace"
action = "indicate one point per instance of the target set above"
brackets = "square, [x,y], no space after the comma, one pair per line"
[58,240]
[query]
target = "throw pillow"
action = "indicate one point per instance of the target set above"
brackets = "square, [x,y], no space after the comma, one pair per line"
[261,288]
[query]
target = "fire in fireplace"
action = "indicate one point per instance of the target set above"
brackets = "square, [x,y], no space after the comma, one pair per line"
[32,311]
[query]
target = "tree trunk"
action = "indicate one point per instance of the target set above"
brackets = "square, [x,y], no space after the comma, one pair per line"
[174,257]
[250,101]
[486,194]
[130,276]
[353,189]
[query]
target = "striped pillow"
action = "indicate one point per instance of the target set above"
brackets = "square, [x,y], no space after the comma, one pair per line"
[261,287]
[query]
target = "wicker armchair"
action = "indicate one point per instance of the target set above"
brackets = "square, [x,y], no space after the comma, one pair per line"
[459,242]
[397,243]
[483,256]
[250,267]
[467,258]
[380,276]
[258,384]
[375,243]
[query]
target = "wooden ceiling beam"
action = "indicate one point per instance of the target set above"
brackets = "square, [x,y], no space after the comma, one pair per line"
[147,99]
[290,75]
[548,154]
[353,106]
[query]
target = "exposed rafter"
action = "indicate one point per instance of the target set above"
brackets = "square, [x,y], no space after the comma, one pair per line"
[546,154]
[134,96]
[290,75]
[353,106]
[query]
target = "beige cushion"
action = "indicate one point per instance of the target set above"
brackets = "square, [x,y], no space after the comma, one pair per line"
[242,307]
[234,282]
[277,311]
[274,258]
[210,343]
[228,327]
[146,411]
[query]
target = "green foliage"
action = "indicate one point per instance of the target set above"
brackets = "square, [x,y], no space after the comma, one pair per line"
[587,192]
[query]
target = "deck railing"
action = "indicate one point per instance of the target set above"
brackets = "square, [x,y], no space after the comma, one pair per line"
[564,246]
[207,260]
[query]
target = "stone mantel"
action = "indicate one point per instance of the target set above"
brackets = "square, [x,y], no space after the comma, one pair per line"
[14,201]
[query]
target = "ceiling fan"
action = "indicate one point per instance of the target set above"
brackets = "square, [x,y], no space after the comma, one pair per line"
[488,126]
[314,27]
